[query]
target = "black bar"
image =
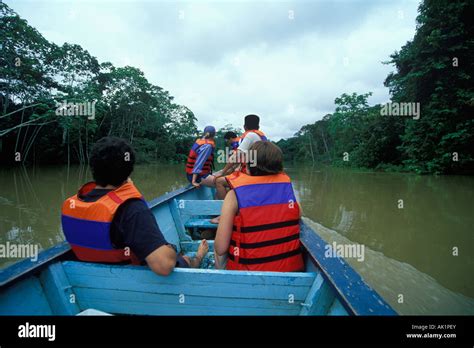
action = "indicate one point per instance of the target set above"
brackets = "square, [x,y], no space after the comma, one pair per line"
[135,330]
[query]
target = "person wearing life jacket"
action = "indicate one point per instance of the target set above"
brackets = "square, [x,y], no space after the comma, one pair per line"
[238,159]
[232,140]
[259,225]
[251,135]
[201,160]
[108,220]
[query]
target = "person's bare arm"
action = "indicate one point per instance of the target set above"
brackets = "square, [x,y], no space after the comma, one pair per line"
[238,156]
[224,230]
[229,169]
[162,260]
[230,165]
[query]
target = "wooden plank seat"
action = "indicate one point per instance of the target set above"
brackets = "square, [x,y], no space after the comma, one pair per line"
[137,290]
[194,223]
[196,214]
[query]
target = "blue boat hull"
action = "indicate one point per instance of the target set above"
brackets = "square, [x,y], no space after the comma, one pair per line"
[58,285]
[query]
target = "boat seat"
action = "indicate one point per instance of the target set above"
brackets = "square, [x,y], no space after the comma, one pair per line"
[196,214]
[200,223]
[136,290]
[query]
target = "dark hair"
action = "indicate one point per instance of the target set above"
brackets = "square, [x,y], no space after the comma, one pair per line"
[269,159]
[252,122]
[230,135]
[111,161]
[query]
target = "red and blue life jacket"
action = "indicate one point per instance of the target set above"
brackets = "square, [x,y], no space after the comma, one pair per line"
[266,230]
[86,225]
[193,155]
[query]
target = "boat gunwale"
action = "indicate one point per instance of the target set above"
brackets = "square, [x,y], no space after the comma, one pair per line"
[21,268]
[344,267]
[168,196]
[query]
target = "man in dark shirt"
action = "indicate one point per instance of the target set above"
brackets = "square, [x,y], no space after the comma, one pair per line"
[133,224]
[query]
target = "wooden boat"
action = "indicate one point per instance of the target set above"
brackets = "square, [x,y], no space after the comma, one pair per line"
[56,284]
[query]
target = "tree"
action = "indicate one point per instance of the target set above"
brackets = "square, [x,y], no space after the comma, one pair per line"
[436,70]
[126,104]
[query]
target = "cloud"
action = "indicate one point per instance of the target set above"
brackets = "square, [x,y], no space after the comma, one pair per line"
[286,61]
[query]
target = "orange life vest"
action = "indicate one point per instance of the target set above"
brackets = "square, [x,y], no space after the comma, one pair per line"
[266,230]
[193,155]
[262,136]
[256,131]
[86,225]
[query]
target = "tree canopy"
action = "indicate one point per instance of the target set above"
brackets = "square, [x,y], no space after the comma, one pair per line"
[435,69]
[37,75]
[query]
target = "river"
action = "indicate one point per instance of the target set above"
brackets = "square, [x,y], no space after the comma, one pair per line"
[417,230]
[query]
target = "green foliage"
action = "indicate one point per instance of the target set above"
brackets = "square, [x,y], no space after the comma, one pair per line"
[355,132]
[37,75]
[435,69]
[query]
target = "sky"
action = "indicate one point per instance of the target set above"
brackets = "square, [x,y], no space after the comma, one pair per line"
[285,61]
